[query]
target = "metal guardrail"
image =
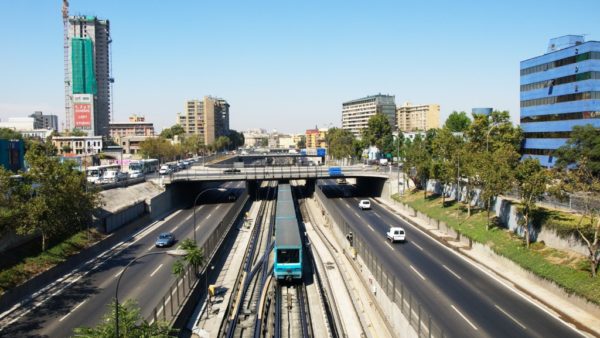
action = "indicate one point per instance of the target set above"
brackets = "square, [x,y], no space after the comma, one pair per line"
[180,290]
[393,288]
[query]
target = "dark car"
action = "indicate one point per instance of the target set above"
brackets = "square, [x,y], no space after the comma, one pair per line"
[165,239]
[231,171]
[231,197]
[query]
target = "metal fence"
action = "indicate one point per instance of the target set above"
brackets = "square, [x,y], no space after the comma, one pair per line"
[573,203]
[393,287]
[179,291]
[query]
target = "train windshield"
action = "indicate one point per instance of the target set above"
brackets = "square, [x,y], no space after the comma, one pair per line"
[288,256]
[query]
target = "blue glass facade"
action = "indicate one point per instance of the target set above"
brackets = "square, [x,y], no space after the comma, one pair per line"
[559,90]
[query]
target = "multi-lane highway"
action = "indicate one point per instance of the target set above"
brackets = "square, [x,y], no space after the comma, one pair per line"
[461,299]
[82,299]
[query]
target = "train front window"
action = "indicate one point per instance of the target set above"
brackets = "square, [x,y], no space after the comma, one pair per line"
[288,256]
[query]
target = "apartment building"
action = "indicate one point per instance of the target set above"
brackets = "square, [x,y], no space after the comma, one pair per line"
[208,118]
[316,138]
[418,117]
[77,145]
[356,113]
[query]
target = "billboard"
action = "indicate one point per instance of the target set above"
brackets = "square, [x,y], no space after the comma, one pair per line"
[83,111]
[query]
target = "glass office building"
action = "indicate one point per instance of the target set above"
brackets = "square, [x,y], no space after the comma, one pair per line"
[559,90]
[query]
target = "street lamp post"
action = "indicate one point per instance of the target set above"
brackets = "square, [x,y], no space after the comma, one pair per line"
[196,201]
[487,150]
[178,253]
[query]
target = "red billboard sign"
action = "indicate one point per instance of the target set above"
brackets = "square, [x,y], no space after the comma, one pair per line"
[83,115]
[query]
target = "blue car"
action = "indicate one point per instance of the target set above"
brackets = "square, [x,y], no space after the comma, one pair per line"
[165,239]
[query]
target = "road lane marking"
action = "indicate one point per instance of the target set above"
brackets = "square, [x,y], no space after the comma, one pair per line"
[155,270]
[417,245]
[177,227]
[218,206]
[150,248]
[357,215]
[452,272]
[391,247]
[347,205]
[118,273]
[376,214]
[75,308]
[465,318]
[511,317]
[207,217]
[417,272]
[370,227]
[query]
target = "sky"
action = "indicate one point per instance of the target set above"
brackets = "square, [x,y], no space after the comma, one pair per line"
[288,65]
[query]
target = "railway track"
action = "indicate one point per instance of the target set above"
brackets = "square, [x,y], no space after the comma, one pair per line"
[292,317]
[244,311]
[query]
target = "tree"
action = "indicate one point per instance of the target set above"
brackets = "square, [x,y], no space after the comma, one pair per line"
[340,143]
[13,200]
[193,144]
[157,147]
[194,256]
[129,317]
[302,142]
[497,174]
[221,143]
[532,181]
[60,204]
[445,147]
[586,186]
[9,134]
[170,133]
[236,138]
[457,122]
[379,133]
[418,162]
[584,143]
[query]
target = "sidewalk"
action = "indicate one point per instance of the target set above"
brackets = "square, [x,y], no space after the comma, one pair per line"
[207,324]
[353,295]
[545,294]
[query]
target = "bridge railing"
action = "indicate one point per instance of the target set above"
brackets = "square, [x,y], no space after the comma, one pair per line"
[269,172]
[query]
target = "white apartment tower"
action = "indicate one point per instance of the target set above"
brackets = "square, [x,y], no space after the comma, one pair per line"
[356,113]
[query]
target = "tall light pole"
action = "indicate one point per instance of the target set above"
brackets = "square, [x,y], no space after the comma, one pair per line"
[487,150]
[177,253]
[196,201]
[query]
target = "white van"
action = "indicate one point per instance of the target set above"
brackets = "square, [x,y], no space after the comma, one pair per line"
[364,204]
[396,234]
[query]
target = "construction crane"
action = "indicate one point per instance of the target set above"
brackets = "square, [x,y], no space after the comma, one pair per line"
[68,93]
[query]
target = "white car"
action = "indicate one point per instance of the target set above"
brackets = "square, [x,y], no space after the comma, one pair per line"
[396,234]
[165,170]
[364,204]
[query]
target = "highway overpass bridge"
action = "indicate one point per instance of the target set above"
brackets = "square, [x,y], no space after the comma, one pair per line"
[370,181]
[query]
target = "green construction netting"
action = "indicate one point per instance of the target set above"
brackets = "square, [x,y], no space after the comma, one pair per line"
[82,58]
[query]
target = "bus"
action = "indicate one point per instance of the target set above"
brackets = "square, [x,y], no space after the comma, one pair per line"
[94,174]
[142,167]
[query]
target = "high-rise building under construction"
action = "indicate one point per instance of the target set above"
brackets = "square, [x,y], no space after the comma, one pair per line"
[87,74]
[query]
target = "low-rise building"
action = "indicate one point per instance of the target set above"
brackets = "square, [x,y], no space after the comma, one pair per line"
[131,144]
[137,126]
[77,145]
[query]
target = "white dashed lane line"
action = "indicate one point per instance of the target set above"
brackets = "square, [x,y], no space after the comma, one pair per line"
[452,272]
[155,270]
[392,248]
[75,308]
[465,318]
[370,227]
[417,245]
[417,272]
[511,317]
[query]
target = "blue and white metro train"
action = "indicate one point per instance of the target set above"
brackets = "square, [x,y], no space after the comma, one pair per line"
[288,242]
